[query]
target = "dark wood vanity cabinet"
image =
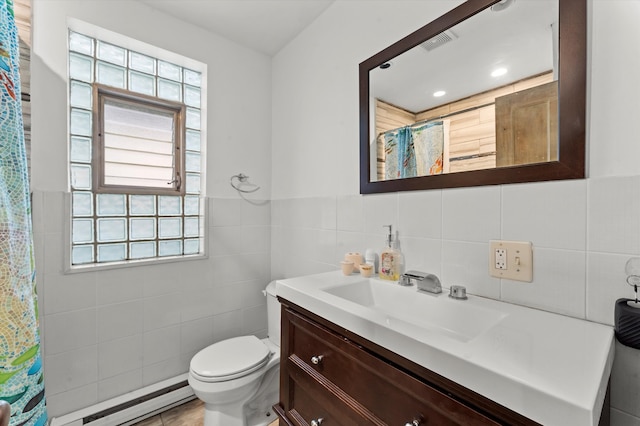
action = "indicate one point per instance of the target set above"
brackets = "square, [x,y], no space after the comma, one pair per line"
[332,374]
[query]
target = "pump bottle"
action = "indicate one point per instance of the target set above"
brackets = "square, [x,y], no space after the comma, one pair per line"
[391,260]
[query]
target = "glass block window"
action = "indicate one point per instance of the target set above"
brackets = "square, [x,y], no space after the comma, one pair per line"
[134,154]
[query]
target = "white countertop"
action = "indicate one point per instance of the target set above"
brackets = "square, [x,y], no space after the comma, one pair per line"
[550,368]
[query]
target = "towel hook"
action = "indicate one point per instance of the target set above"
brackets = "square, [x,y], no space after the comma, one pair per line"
[242,178]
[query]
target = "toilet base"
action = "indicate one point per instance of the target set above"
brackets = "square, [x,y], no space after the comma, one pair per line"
[229,415]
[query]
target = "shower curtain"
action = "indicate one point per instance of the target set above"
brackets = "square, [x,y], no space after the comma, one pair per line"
[21,380]
[412,151]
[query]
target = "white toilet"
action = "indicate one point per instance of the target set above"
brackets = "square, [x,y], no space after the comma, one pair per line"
[238,378]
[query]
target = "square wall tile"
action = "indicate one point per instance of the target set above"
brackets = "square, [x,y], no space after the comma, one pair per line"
[119,285]
[163,370]
[254,321]
[256,213]
[119,320]
[324,247]
[251,292]
[471,214]
[197,303]
[225,212]
[119,385]
[606,283]
[119,356]
[328,213]
[422,254]
[559,282]
[612,215]
[306,213]
[420,214]
[281,212]
[162,311]
[69,331]
[54,206]
[54,249]
[195,335]
[66,402]
[350,213]
[277,212]
[227,325]
[167,278]
[255,266]
[550,214]
[347,242]
[380,210]
[467,264]
[225,240]
[69,292]
[161,345]
[71,369]
[223,269]
[254,239]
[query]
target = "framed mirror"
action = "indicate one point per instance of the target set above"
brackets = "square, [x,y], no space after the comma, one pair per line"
[525,124]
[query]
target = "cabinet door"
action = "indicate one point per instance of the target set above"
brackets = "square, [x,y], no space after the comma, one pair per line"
[527,126]
[349,384]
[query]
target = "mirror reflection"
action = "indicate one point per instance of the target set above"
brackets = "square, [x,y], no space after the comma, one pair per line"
[480,95]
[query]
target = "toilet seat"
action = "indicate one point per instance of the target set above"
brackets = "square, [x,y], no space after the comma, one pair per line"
[230,359]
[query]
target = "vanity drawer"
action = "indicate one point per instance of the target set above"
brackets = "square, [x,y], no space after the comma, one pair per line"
[395,396]
[312,398]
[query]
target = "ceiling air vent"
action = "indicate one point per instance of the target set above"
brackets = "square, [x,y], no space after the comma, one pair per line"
[438,40]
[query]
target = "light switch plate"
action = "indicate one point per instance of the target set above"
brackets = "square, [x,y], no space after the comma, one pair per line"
[511,260]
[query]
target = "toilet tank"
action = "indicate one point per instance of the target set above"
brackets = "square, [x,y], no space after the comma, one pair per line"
[273,314]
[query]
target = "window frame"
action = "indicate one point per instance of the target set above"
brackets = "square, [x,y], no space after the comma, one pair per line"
[102,93]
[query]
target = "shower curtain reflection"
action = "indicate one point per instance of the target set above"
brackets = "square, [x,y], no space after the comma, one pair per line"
[411,151]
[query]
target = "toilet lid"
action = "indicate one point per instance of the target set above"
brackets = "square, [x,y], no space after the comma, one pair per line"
[230,359]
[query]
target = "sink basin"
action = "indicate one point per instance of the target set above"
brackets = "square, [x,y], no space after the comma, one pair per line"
[417,313]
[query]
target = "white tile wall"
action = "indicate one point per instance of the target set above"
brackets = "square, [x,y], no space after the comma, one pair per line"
[582,231]
[119,356]
[111,331]
[555,213]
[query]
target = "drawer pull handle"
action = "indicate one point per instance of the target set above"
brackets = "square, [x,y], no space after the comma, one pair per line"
[414,423]
[317,422]
[317,360]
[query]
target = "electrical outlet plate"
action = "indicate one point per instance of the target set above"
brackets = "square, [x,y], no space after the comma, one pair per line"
[511,260]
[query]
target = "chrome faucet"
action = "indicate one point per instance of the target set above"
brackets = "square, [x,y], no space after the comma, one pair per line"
[426,282]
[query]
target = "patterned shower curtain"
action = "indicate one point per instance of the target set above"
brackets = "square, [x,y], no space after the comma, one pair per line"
[411,151]
[21,380]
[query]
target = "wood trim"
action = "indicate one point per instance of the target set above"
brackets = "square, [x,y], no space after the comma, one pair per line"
[572,107]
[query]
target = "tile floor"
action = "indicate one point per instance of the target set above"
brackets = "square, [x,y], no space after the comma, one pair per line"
[189,414]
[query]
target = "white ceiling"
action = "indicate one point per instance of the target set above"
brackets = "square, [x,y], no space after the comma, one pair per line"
[263,25]
[519,38]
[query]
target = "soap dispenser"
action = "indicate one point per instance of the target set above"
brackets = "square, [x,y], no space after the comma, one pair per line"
[391,259]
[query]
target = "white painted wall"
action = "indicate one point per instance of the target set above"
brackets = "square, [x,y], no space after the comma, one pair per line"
[583,231]
[109,332]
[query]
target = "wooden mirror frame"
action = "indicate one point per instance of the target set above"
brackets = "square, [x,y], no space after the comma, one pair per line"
[572,82]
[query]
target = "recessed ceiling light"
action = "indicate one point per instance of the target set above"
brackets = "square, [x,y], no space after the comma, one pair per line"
[498,72]
[439,93]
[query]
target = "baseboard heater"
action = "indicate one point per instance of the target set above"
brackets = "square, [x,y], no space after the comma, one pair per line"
[132,407]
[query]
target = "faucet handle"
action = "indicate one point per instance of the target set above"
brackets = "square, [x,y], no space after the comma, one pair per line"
[405,280]
[458,292]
